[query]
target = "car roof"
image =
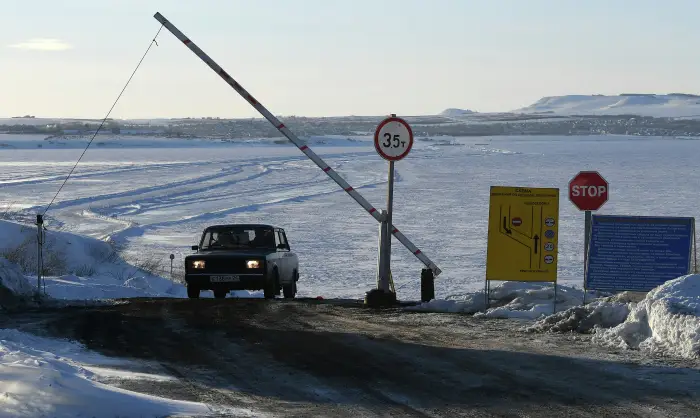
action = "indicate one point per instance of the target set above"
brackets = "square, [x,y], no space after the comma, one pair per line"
[241,226]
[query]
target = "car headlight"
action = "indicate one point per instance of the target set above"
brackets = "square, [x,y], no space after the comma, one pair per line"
[253,264]
[198,264]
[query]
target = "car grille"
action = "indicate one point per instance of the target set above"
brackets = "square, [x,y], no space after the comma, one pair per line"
[227,266]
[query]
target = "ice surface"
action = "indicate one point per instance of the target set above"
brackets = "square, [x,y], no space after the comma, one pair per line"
[156,197]
[666,321]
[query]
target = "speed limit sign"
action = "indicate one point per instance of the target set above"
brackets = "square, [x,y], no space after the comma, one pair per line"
[393,138]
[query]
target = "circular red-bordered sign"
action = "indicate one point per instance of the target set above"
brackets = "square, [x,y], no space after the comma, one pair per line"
[393,138]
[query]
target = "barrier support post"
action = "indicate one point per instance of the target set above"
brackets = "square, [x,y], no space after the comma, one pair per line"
[40,252]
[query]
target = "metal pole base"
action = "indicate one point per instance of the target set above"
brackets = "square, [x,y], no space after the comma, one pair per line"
[377,298]
[427,285]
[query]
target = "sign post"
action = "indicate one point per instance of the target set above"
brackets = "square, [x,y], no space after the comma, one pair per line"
[588,191]
[40,253]
[393,140]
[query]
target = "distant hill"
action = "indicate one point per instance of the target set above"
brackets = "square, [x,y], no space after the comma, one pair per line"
[659,105]
[455,113]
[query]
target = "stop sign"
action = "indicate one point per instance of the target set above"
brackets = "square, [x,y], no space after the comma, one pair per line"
[588,190]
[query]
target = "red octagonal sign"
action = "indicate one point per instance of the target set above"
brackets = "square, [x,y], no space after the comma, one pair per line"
[588,190]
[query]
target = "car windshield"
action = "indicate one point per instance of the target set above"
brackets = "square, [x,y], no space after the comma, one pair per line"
[238,238]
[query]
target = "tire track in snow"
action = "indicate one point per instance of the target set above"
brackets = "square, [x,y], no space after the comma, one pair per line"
[149,189]
[167,201]
[118,170]
[38,178]
[144,190]
[171,201]
[141,229]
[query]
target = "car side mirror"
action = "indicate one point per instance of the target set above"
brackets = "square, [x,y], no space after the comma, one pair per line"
[195,248]
[281,247]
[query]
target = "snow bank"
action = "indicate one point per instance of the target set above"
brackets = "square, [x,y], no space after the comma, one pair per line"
[63,252]
[666,321]
[12,279]
[41,377]
[583,319]
[82,268]
[508,300]
[455,113]
[15,290]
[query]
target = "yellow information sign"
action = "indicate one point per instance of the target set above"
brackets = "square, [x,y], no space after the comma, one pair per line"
[523,234]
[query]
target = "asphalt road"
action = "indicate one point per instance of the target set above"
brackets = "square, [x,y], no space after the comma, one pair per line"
[339,359]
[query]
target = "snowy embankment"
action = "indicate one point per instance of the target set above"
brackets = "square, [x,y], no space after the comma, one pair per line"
[14,287]
[665,321]
[508,300]
[42,377]
[81,268]
[655,105]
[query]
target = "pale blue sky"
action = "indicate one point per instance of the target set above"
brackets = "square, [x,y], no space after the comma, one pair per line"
[328,57]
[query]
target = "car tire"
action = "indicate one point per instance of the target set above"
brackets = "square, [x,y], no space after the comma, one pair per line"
[272,285]
[220,293]
[192,292]
[290,290]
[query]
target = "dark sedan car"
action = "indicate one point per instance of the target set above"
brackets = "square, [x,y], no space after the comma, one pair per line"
[242,257]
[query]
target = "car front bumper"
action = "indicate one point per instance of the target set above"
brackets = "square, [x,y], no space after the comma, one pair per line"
[232,281]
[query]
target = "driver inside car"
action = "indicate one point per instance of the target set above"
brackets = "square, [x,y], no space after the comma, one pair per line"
[264,239]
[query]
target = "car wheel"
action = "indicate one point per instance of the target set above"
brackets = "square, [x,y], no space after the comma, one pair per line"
[220,293]
[272,285]
[290,290]
[192,292]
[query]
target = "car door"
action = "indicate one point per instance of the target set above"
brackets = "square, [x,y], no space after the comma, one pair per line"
[290,258]
[285,266]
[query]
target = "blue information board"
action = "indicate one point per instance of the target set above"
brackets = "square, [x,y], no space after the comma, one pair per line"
[638,253]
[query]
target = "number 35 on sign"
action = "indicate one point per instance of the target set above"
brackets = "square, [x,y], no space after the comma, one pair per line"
[393,139]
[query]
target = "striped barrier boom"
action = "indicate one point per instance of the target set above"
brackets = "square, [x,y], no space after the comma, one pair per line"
[295,140]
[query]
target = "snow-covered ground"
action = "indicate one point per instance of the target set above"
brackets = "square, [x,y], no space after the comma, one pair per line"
[43,377]
[656,105]
[157,197]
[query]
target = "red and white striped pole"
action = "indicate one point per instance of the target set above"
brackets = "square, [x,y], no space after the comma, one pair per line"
[295,140]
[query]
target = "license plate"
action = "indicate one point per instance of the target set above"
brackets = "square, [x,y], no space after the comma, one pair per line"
[227,278]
